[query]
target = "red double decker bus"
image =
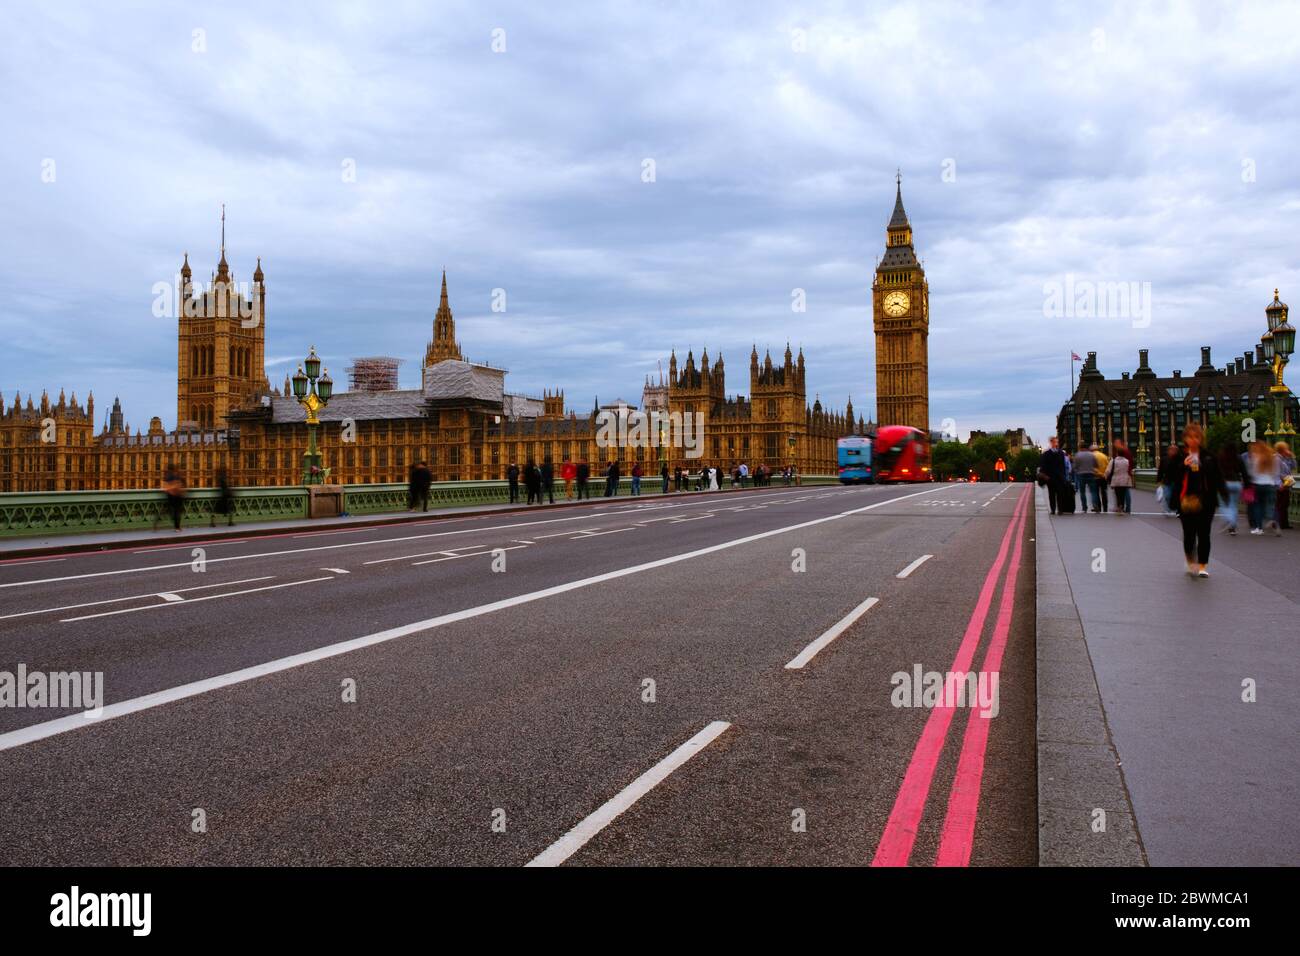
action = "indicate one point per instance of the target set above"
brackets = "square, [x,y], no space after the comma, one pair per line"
[901,453]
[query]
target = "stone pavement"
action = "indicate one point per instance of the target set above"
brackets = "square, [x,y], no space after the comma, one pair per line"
[1210,777]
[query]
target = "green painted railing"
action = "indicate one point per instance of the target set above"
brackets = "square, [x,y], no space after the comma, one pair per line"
[69,512]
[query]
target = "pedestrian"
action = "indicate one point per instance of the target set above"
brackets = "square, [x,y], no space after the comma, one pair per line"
[173,487]
[569,471]
[744,474]
[612,477]
[1119,476]
[1085,476]
[421,479]
[225,504]
[1286,478]
[663,475]
[1262,469]
[1102,464]
[547,478]
[1230,468]
[636,478]
[581,474]
[1052,472]
[1164,482]
[715,478]
[533,483]
[512,476]
[1200,488]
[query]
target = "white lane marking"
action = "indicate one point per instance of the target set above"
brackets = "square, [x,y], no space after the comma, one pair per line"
[914,565]
[337,570]
[472,554]
[683,503]
[170,597]
[584,535]
[210,597]
[133,597]
[26,735]
[696,518]
[522,541]
[997,496]
[588,827]
[425,554]
[809,652]
[326,547]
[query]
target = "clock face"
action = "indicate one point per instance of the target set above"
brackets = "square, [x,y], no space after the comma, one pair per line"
[896,303]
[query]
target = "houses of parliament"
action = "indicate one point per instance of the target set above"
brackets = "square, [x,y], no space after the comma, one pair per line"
[461,421]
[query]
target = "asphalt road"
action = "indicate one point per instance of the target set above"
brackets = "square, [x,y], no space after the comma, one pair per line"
[618,694]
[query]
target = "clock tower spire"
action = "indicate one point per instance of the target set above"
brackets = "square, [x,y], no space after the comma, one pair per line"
[900,298]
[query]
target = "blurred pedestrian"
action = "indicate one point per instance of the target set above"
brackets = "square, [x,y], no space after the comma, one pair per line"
[581,475]
[1053,471]
[533,483]
[1286,478]
[1085,474]
[512,476]
[1200,488]
[1262,471]
[1119,476]
[663,475]
[568,471]
[612,477]
[1231,468]
[1103,462]
[547,478]
[225,503]
[173,487]
[418,493]
[636,479]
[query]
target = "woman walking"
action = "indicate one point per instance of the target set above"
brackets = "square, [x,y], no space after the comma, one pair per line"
[1262,470]
[1199,486]
[1286,478]
[1119,476]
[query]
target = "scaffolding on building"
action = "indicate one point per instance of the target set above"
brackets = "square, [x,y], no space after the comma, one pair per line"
[377,373]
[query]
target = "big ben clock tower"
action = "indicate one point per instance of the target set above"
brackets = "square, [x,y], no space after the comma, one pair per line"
[900,299]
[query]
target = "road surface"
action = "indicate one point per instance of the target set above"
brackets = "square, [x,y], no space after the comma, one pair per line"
[702,679]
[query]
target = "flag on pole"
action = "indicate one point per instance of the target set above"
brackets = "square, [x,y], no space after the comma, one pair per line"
[1076,357]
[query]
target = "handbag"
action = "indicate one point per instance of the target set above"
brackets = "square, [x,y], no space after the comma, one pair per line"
[1248,494]
[1188,504]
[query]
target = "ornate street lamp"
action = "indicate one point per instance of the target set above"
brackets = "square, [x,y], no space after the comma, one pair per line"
[1278,343]
[313,392]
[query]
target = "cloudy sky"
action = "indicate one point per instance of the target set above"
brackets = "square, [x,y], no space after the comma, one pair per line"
[1126,144]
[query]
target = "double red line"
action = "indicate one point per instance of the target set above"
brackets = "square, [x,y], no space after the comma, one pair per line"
[958,833]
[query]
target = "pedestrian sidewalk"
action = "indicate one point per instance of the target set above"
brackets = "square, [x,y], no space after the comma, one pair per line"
[27,546]
[1209,772]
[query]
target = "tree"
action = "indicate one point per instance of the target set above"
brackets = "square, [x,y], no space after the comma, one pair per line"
[1238,427]
[1025,464]
[950,459]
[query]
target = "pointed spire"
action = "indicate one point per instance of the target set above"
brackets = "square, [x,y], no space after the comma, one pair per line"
[899,219]
[185,266]
[257,273]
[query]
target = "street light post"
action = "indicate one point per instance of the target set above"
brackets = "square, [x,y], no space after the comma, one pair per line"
[313,392]
[1278,343]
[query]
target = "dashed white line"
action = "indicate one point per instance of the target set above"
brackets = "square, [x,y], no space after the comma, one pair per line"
[210,597]
[809,652]
[580,835]
[133,597]
[50,728]
[914,565]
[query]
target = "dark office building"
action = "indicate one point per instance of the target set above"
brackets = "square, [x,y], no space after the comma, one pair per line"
[1103,409]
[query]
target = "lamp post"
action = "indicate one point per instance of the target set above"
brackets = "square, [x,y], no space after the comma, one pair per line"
[1143,461]
[313,392]
[1278,343]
